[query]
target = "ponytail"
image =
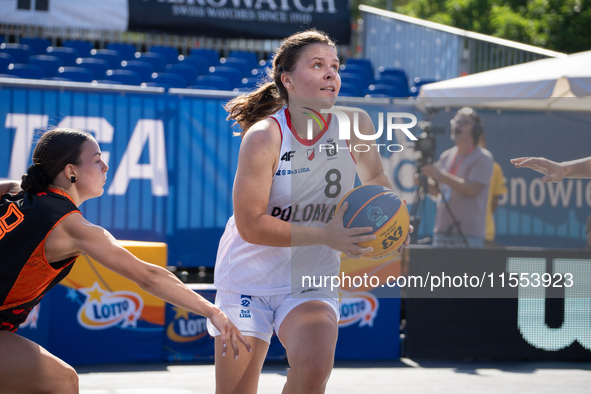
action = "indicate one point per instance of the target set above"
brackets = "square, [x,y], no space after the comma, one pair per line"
[247,110]
[271,95]
[56,149]
[34,181]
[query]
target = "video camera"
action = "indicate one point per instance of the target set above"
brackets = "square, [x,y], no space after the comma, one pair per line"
[426,142]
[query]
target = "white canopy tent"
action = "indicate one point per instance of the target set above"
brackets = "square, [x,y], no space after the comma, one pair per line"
[548,84]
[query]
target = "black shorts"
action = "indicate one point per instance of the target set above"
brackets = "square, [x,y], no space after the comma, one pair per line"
[11,319]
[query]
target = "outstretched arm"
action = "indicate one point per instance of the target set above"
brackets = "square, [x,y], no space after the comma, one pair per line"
[9,187]
[75,235]
[554,171]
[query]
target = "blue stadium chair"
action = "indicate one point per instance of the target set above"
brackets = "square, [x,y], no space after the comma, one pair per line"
[174,80]
[76,74]
[356,69]
[126,77]
[211,54]
[250,57]
[350,90]
[366,63]
[351,79]
[395,80]
[200,64]
[212,82]
[144,69]
[259,72]
[240,64]
[27,71]
[7,75]
[37,45]
[185,70]
[68,55]
[232,74]
[393,71]
[155,59]
[170,53]
[381,90]
[126,51]
[98,67]
[112,57]
[49,64]
[249,83]
[5,60]
[83,47]
[418,82]
[19,52]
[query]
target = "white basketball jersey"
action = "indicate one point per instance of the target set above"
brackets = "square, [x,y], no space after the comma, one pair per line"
[311,178]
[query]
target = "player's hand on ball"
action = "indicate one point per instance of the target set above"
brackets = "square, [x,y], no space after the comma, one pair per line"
[345,240]
[228,332]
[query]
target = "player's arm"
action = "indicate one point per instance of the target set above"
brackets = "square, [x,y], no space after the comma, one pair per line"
[75,235]
[369,164]
[553,171]
[10,187]
[257,162]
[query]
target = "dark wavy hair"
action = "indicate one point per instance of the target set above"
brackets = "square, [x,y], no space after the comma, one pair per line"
[56,149]
[271,95]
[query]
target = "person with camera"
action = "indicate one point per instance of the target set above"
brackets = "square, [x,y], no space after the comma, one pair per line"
[460,182]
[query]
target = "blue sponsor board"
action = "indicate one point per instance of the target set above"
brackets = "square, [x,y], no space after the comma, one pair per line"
[80,331]
[187,339]
[369,327]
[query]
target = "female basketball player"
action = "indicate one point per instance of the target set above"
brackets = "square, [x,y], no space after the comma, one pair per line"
[284,225]
[41,234]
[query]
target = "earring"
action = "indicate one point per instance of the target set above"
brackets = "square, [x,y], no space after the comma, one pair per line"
[73,179]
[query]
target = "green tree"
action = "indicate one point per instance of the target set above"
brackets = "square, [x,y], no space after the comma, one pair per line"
[559,25]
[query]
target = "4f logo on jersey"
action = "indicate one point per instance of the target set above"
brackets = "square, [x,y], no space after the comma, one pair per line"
[287,156]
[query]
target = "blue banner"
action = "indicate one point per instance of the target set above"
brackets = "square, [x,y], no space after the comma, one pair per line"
[173,159]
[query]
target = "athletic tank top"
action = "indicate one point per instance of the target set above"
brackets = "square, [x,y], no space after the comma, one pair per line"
[25,275]
[310,180]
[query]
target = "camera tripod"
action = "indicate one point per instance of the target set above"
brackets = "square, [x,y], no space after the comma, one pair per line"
[419,204]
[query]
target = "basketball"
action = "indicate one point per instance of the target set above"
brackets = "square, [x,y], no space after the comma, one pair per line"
[383,210]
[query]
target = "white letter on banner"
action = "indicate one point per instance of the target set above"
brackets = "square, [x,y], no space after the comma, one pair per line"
[330,3]
[272,5]
[247,3]
[25,125]
[99,126]
[300,7]
[151,130]
[402,126]
[344,123]
[531,316]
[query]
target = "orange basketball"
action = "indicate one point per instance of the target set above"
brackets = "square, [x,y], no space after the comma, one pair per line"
[383,210]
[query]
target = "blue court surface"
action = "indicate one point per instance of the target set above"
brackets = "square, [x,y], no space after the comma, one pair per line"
[403,376]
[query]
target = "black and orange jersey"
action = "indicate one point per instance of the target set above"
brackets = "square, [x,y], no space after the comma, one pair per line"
[25,274]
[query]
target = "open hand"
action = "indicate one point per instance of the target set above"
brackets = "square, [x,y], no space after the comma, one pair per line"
[346,240]
[553,171]
[228,332]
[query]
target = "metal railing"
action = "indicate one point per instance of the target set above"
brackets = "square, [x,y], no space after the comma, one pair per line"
[432,50]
